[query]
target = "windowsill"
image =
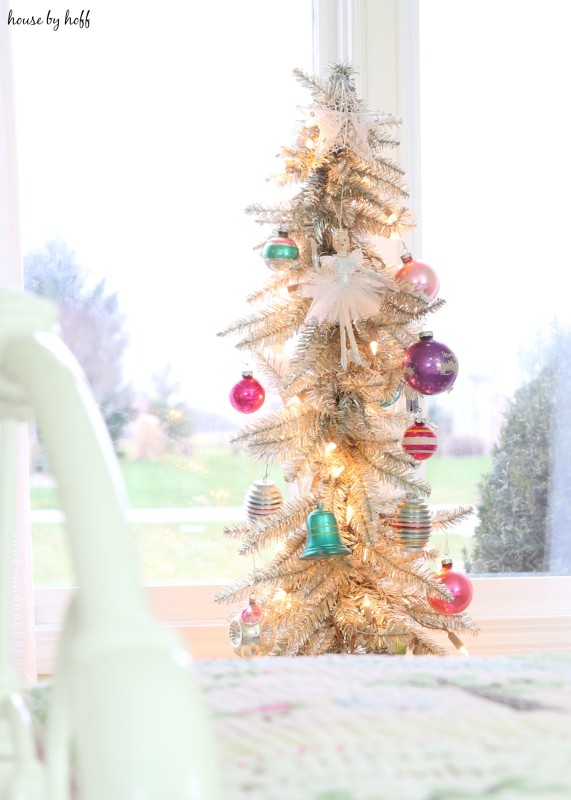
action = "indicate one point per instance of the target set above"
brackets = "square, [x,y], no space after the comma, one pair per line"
[523,614]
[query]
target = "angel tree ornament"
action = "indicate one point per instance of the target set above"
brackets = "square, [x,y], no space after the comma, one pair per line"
[343,290]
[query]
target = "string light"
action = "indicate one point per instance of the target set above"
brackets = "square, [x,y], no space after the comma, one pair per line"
[367,608]
[330,447]
[374,347]
[336,471]
[280,594]
[458,643]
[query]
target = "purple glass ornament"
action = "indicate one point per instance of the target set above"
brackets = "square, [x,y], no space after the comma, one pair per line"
[429,366]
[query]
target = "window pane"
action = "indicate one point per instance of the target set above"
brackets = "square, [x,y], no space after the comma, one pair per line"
[141,141]
[495,171]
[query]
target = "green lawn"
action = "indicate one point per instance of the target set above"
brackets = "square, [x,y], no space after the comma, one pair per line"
[171,553]
[455,480]
[209,477]
[213,477]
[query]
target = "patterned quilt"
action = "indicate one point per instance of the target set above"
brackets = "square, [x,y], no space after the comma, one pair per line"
[382,727]
[376,727]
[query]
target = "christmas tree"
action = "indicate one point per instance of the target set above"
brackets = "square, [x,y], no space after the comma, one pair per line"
[338,334]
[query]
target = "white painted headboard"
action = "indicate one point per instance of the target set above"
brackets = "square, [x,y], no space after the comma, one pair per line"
[124,690]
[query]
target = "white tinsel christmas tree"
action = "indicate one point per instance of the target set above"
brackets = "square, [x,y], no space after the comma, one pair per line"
[352,570]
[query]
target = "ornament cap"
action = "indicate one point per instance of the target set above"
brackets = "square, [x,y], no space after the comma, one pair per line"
[247,373]
[413,498]
[446,563]
[406,257]
[425,335]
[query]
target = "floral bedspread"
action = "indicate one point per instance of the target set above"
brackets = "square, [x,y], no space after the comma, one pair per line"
[376,727]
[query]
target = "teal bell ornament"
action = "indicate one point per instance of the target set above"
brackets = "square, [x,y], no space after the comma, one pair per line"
[323,540]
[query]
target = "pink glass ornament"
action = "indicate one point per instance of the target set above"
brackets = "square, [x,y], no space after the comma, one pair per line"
[252,614]
[247,395]
[458,584]
[430,367]
[420,275]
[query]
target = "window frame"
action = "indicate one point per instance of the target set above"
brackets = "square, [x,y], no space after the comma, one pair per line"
[515,613]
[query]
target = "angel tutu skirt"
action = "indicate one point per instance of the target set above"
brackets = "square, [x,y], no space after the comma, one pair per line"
[340,298]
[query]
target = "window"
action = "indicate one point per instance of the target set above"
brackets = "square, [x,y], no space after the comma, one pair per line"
[160,153]
[495,171]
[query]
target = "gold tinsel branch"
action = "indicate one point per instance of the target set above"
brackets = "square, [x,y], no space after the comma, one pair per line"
[446,518]
[282,523]
[286,324]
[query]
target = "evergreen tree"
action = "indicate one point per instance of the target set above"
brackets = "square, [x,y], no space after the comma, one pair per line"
[521,499]
[91,325]
[175,415]
[339,432]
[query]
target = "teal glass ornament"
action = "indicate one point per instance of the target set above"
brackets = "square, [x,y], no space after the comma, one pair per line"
[323,540]
[393,399]
[280,252]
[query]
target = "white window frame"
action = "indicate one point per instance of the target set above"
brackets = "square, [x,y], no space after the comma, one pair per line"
[516,614]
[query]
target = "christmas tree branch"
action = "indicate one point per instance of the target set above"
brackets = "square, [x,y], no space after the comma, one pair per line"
[446,518]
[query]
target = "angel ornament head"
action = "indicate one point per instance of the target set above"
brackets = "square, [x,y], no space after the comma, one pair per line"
[343,291]
[341,242]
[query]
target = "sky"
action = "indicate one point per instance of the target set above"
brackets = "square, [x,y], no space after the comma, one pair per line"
[496,172]
[143,137]
[141,141]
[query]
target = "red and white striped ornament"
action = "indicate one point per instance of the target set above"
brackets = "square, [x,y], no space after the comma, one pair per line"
[420,441]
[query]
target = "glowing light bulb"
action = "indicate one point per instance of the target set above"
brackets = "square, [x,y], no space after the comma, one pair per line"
[390,218]
[336,471]
[374,347]
[349,515]
[331,447]
[280,594]
[367,608]
[310,144]
[458,644]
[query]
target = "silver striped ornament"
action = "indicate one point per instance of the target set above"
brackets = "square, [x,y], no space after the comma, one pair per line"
[262,499]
